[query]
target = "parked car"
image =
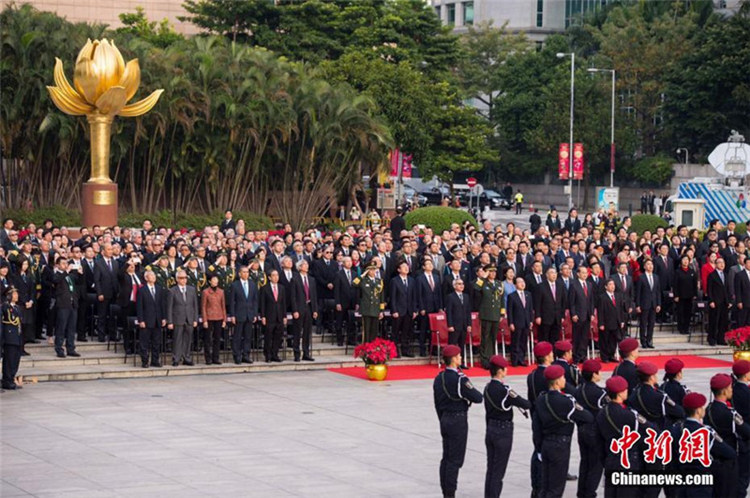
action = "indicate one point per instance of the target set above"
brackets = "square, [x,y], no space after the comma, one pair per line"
[411,194]
[435,195]
[491,197]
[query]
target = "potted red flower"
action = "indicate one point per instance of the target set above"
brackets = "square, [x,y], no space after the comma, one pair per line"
[739,339]
[376,355]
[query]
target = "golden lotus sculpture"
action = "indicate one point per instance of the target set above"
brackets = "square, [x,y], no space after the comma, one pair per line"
[102,86]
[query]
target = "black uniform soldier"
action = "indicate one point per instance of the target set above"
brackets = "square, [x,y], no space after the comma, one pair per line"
[672,385]
[626,369]
[731,427]
[11,338]
[453,393]
[499,401]
[537,384]
[563,357]
[592,398]
[741,403]
[720,452]
[610,425]
[555,414]
[656,407]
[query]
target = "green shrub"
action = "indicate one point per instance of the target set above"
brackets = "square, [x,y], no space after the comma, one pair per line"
[438,218]
[60,215]
[655,170]
[643,222]
[70,217]
[740,229]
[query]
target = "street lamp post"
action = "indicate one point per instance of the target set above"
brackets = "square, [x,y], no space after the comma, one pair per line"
[572,56]
[680,150]
[612,131]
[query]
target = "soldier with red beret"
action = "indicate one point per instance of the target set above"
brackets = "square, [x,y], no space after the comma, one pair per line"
[731,427]
[741,403]
[453,393]
[555,416]
[499,400]
[675,389]
[626,369]
[563,357]
[537,384]
[592,398]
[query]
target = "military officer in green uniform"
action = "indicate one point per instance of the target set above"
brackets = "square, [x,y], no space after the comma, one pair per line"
[163,272]
[221,270]
[371,301]
[11,339]
[257,274]
[195,277]
[490,294]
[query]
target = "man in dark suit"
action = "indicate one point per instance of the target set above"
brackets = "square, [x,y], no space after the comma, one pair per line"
[304,310]
[581,299]
[742,295]
[66,304]
[458,314]
[345,296]
[430,300]
[534,278]
[524,260]
[624,286]
[273,314]
[520,315]
[88,294]
[611,313]
[324,272]
[228,223]
[106,270]
[550,303]
[182,317]
[151,310]
[453,273]
[718,304]
[129,281]
[664,268]
[403,306]
[286,275]
[647,302]
[243,313]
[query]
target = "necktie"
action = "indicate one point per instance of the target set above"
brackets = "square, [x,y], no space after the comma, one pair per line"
[244,287]
[307,288]
[406,285]
[623,280]
[721,276]
[184,294]
[91,265]
[348,277]
[585,289]
[461,298]
[275,293]
[135,287]
[328,262]
[614,303]
[153,292]
[552,287]
[650,282]
[109,264]
[539,279]
[429,279]
[522,295]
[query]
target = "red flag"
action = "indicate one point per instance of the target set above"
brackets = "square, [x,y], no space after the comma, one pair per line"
[577,161]
[563,161]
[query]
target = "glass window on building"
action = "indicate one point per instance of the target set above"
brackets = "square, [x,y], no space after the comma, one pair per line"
[451,10]
[437,11]
[575,10]
[539,13]
[468,13]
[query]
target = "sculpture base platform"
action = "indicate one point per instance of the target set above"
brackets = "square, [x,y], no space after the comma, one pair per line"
[99,204]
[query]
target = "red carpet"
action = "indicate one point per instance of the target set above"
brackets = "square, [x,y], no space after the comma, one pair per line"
[416,372]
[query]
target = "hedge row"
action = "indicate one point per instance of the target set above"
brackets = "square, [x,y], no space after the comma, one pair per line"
[69,217]
[438,218]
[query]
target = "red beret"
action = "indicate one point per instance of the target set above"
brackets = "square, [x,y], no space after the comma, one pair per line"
[741,367]
[554,372]
[720,381]
[617,384]
[693,401]
[673,366]
[628,345]
[592,365]
[563,346]
[646,367]
[542,348]
[450,351]
[498,361]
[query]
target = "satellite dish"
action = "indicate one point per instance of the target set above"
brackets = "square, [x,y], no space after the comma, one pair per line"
[731,158]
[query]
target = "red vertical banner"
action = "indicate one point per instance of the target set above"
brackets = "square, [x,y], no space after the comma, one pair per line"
[394,155]
[578,161]
[563,161]
[406,166]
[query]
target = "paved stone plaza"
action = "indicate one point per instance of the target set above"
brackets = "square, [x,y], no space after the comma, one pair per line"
[262,435]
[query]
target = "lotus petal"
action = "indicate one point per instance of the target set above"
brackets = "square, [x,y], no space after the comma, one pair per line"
[111,101]
[142,106]
[86,51]
[61,81]
[118,56]
[108,66]
[86,79]
[69,104]
[131,78]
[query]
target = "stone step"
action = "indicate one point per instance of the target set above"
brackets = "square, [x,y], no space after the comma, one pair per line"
[93,372]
